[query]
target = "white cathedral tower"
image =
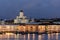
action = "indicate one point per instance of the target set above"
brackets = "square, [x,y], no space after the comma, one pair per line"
[21,13]
[21,18]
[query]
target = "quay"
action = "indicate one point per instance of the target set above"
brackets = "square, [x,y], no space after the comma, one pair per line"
[30,28]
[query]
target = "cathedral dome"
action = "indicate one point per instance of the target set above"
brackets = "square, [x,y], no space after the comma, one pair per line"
[21,10]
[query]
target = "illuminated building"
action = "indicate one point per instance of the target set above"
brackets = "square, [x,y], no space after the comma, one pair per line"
[21,18]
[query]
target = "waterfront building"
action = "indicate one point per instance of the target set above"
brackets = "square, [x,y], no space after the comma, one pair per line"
[2,21]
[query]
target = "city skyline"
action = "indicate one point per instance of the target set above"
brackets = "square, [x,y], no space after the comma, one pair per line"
[32,8]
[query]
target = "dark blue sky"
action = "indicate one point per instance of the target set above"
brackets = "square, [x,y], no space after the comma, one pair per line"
[32,8]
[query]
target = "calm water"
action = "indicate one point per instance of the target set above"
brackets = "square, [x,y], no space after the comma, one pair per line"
[54,36]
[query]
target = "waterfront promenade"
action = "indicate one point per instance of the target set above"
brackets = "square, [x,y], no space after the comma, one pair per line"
[29,28]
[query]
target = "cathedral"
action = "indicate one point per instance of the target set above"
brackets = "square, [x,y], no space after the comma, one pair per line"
[21,18]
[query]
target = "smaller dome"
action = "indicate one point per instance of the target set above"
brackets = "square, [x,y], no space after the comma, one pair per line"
[21,10]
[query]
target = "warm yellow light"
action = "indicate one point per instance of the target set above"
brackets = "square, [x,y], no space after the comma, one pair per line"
[0,27]
[8,27]
[9,33]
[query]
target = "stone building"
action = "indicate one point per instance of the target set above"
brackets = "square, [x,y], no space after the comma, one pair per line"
[21,18]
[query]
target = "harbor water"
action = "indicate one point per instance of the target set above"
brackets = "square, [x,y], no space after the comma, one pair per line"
[11,36]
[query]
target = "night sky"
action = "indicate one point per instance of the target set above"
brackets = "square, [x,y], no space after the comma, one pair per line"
[9,9]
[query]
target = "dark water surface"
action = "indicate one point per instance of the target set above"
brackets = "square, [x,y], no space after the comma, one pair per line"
[53,36]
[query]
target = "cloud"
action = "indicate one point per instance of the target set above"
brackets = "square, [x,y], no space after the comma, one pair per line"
[55,3]
[37,7]
[41,3]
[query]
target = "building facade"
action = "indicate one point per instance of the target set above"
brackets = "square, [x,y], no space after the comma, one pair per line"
[21,18]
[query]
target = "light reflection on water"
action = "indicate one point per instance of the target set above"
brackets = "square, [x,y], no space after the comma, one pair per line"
[53,36]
